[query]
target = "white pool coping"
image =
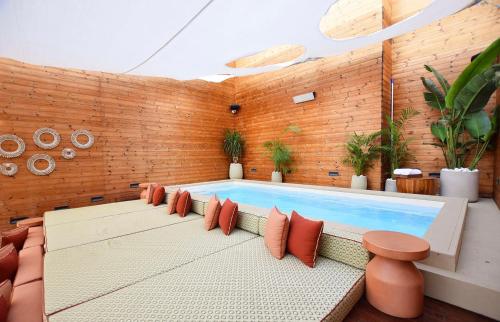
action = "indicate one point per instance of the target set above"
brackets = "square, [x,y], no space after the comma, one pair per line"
[444,234]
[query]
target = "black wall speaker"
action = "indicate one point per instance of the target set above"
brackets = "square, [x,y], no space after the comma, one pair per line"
[234,108]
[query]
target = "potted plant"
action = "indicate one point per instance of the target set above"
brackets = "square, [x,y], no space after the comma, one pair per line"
[362,150]
[233,147]
[280,154]
[395,146]
[464,130]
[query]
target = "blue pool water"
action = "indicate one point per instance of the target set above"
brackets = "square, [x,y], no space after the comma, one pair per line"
[345,208]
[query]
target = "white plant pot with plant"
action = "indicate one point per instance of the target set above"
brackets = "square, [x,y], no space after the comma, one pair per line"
[280,154]
[395,147]
[464,130]
[233,147]
[362,150]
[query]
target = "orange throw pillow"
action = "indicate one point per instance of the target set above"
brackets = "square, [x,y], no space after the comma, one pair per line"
[8,262]
[183,206]
[303,238]
[212,213]
[276,233]
[158,196]
[17,236]
[172,201]
[150,191]
[228,216]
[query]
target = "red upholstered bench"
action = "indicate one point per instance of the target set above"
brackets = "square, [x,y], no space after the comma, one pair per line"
[30,222]
[30,266]
[26,302]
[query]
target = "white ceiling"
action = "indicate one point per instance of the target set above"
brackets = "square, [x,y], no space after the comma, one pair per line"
[135,37]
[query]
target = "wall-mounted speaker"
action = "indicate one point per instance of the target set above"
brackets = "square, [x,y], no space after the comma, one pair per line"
[234,108]
[304,97]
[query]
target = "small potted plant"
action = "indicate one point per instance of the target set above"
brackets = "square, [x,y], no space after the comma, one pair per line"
[233,147]
[464,129]
[395,147]
[362,150]
[280,154]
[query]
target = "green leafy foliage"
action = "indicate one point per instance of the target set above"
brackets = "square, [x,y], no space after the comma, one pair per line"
[362,150]
[233,144]
[279,152]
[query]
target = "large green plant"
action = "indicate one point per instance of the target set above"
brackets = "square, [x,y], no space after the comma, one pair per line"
[362,150]
[464,127]
[279,152]
[233,144]
[395,145]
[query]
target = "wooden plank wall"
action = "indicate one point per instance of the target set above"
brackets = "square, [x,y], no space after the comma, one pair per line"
[448,46]
[146,129]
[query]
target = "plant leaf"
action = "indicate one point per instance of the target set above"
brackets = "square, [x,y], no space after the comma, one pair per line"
[477,92]
[478,124]
[442,81]
[477,66]
[434,98]
[439,131]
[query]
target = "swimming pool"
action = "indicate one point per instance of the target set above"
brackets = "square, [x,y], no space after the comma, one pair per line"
[365,211]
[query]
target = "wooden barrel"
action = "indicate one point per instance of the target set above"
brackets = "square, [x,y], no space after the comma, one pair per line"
[423,186]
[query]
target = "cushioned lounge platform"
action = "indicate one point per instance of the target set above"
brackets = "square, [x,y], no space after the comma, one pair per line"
[64,216]
[97,229]
[35,237]
[27,303]
[243,282]
[82,273]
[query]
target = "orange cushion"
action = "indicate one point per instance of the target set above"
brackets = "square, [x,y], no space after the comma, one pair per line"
[275,235]
[212,213]
[27,303]
[172,201]
[35,231]
[158,195]
[5,292]
[228,216]
[30,222]
[30,266]
[8,262]
[33,240]
[183,206]
[149,192]
[17,236]
[303,238]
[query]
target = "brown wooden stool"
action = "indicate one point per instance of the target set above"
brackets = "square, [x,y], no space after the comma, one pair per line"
[393,284]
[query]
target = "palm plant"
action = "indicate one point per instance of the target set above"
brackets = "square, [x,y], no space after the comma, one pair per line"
[362,150]
[395,145]
[233,144]
[464,127]
[279,152]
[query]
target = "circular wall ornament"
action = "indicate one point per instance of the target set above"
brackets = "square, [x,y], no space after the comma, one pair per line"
[12,154]
[41,172]
[68,153]
[77,133]
[45,130]
[8,169]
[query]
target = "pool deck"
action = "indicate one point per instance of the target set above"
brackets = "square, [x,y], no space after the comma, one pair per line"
[444,235]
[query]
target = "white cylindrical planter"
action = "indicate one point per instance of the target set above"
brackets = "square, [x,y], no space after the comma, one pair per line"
[235,171]
[276,176]
[463,184]
[358,182]
[390,185]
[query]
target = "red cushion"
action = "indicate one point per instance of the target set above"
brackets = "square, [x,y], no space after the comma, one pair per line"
[183,206]
[17,236]
[8,262]
[303,238]
[228,216]
[5,292]
[27,303]
[35,231]
[30,266]
[4,309]
[149,192]
[158,195]
[33,240]
[172,201]
[212,213]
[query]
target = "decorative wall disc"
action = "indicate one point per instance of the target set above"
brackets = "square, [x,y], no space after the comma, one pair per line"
[41,172]
[45,130]
[68,153]
[77,133]
[12,154]
[8,169]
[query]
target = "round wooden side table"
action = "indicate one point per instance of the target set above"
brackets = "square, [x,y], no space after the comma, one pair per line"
[393,284]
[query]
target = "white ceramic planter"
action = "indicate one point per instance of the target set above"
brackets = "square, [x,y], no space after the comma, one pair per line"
[359,182]
[390,185]
[276,176]
[235,171]
[464,184]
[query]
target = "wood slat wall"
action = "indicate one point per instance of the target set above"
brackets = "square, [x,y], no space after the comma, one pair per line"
[146,129]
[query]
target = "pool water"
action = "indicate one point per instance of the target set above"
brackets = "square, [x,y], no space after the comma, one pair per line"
[379,213]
